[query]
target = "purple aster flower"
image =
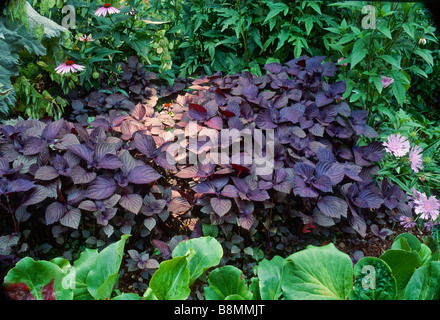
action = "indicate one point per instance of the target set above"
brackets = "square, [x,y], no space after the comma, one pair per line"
[69,66]
[413,197]
[386,81]
[415,158]
[397,145]
[427,207]
[106,9]
[407,222]
[429,225]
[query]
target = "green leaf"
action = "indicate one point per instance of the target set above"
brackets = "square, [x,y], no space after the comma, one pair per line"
[270,275]
[359,53]
[226,281]
[82,267]
[398,91]
[386,31]
[403,264]
[104,273]
[207,253]
[318,273]
[413,241]
[37,274]
[426,55]
[374,280]
[425,283]
[171,280]
[127,296]
[391,60]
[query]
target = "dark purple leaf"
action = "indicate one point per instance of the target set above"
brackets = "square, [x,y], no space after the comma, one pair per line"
[131,202]
[143,175]
[81,176]
[101,188]
[52,129]
[221,206]
[333,206]
[46,173]
[72,218]
[54,212]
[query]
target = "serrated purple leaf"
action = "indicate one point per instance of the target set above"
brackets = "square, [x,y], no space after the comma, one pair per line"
[143,175]
[54,212]
[101,188]
[46,173]
[333,206]
[81,176]
[221,206]
[52,129]
[131,202]
[72,218]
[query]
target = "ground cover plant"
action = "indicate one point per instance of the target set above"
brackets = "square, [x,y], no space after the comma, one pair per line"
[156,150]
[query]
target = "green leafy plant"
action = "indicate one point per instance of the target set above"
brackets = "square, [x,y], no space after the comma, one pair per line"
[92,276]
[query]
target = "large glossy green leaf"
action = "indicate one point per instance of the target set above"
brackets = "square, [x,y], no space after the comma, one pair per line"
[82,268]
[425,283]
[171,280]
[374,280]
[206,253]
[36,275]
[227,281]
[403,264]
[318,273]
[270,274]
[104,273]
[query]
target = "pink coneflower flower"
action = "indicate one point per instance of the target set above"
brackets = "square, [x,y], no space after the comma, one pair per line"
[415,158]
[427,207]
[106,9]
[69,66]
[342,64]
[397,145]
[386,81]
[132,12]
[85,38]
[407,222]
